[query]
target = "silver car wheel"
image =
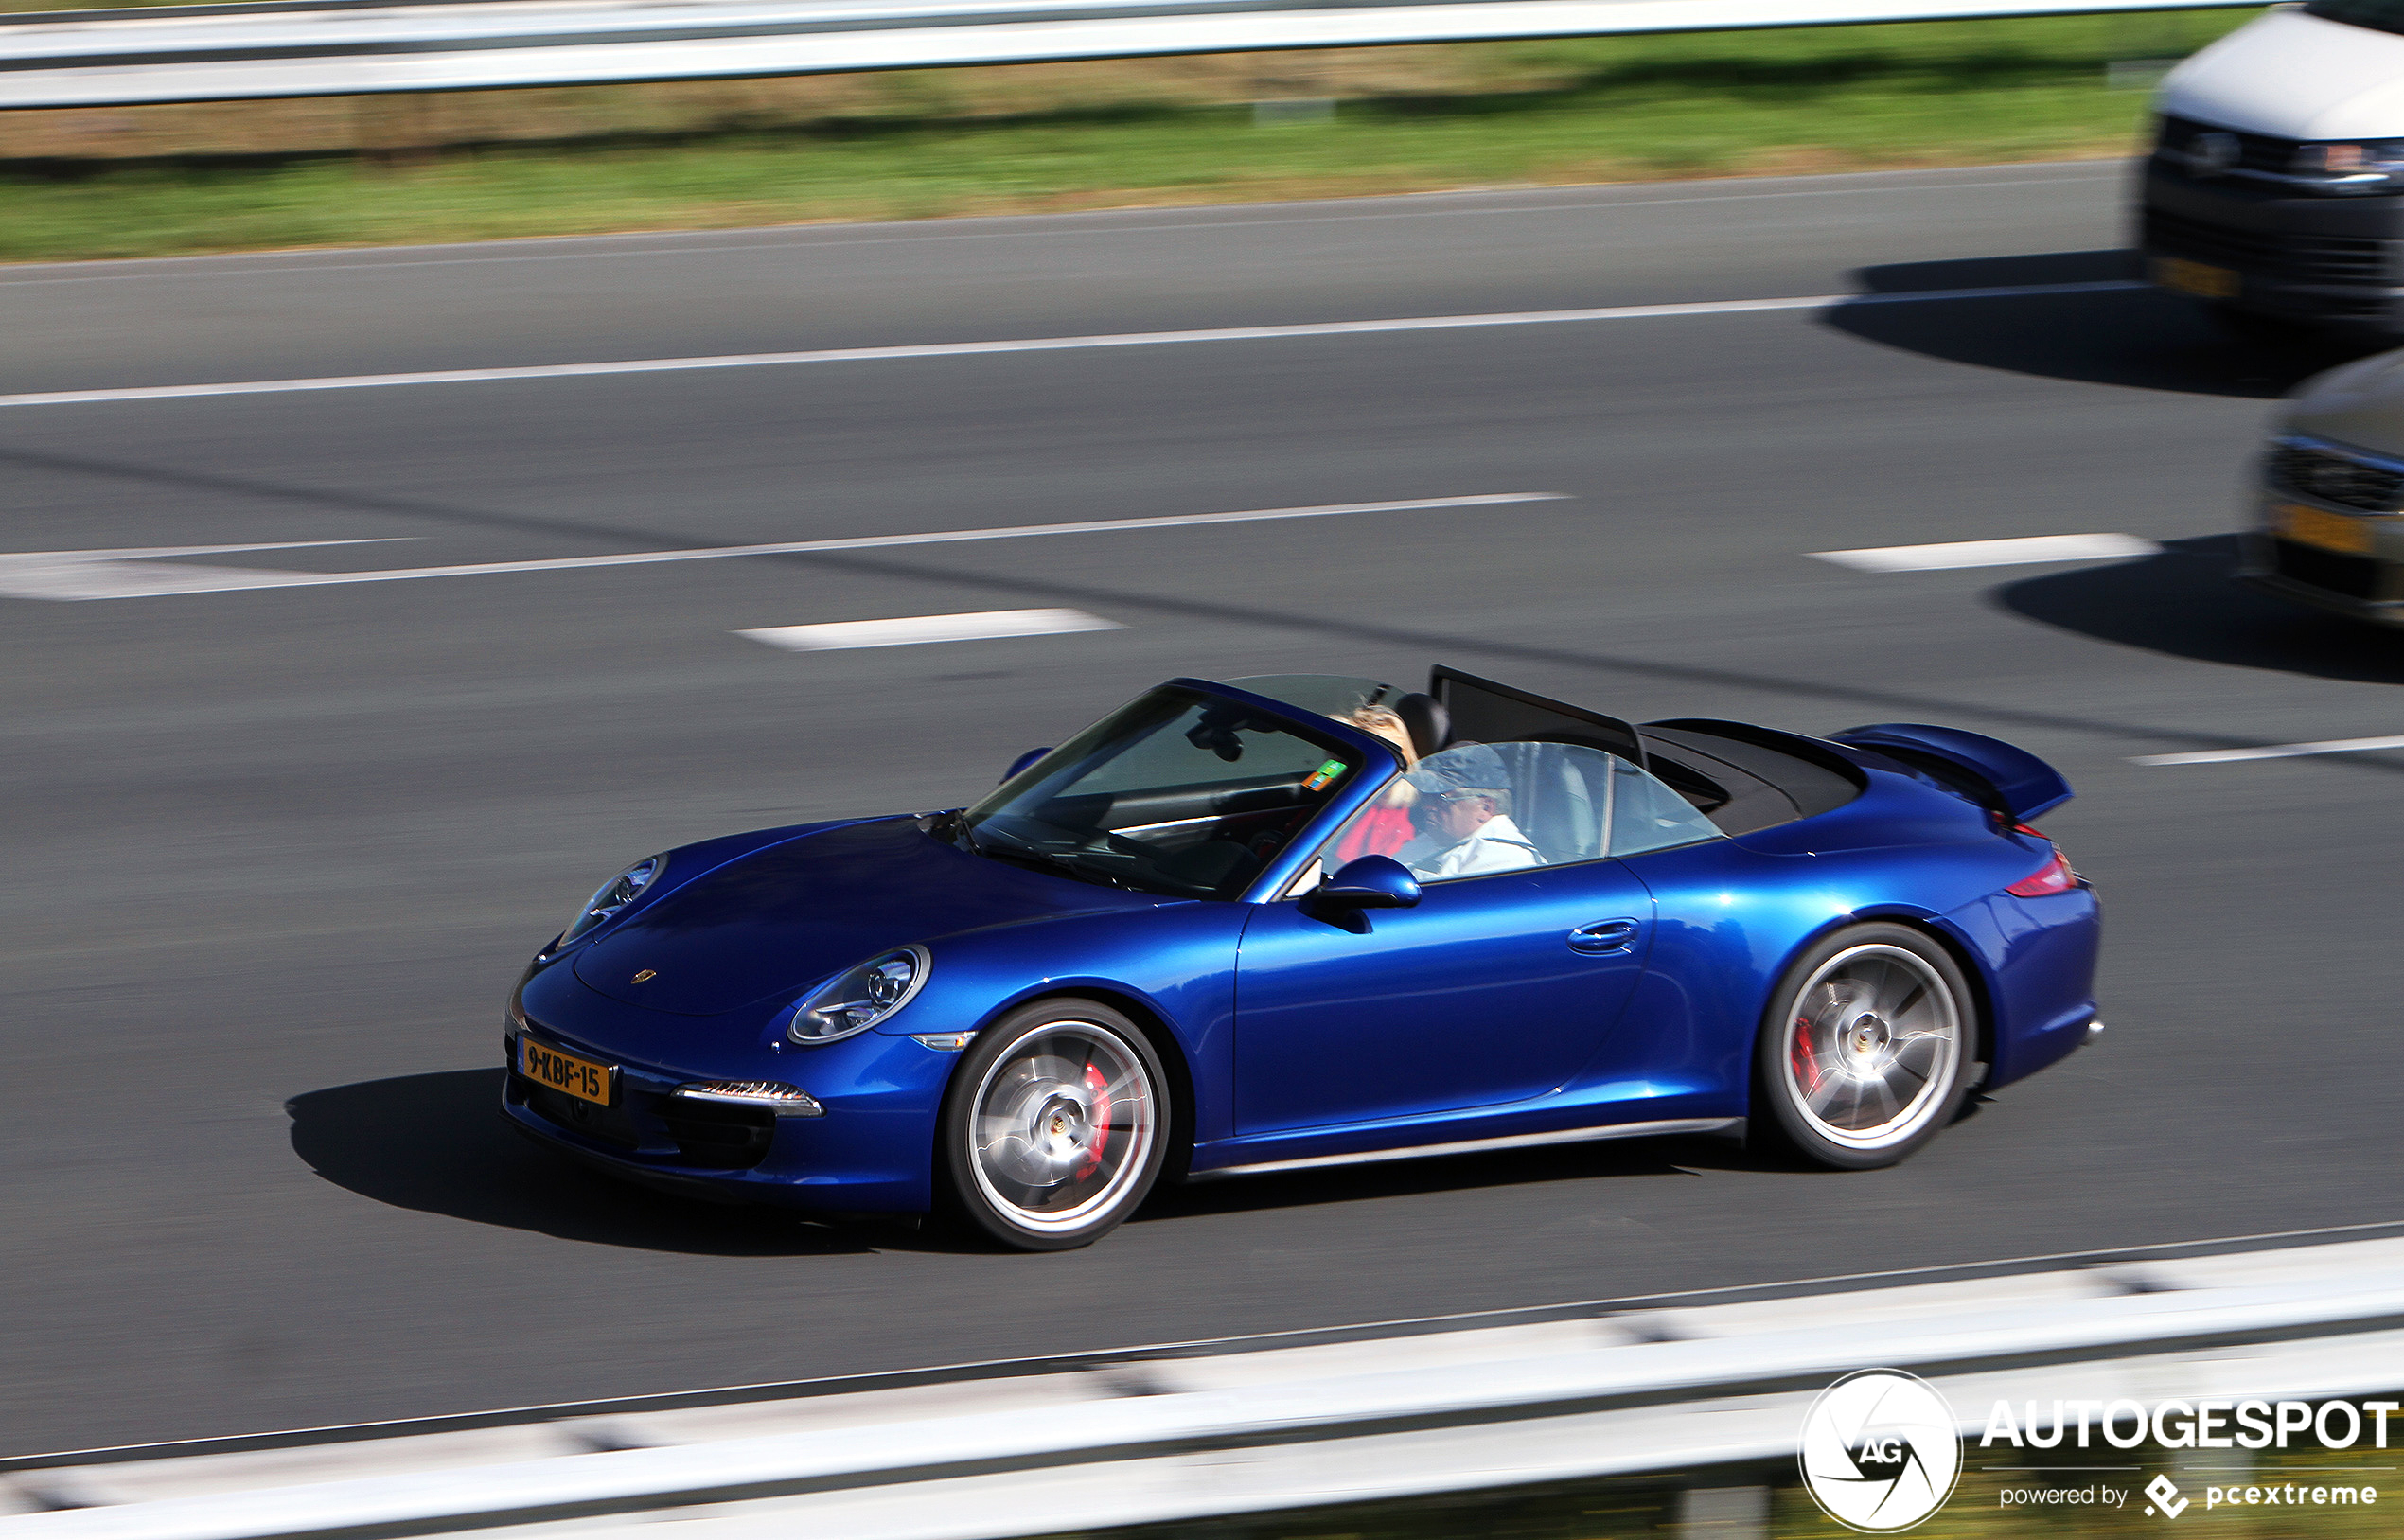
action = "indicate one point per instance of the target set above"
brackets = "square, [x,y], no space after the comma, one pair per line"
[1873,1044]
[1061,1126]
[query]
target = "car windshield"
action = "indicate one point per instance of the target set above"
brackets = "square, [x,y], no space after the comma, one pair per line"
[1178,792]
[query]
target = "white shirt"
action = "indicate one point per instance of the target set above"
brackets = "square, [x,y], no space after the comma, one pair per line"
[1497,846]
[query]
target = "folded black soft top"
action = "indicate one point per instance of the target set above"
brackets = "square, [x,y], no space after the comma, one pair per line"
[1744,777]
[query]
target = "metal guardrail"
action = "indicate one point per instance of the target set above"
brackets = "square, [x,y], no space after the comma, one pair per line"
[1111,1445]
[300,48]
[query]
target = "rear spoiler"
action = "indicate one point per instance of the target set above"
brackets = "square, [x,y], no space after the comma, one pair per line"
[2010,781]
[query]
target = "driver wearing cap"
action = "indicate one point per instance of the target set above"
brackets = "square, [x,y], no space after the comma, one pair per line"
[1464,816]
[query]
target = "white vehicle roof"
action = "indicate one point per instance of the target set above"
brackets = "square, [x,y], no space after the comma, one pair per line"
[2295,76]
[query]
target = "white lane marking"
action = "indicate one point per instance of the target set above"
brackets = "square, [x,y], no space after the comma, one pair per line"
[247,264]
[911,630]
[1989,553]
[1043,344]
[2274,750]
[136,551]
[125,575]
[128,571]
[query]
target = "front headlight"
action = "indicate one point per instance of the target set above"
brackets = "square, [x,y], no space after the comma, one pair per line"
[612,896]
[861,996]
[2371,166]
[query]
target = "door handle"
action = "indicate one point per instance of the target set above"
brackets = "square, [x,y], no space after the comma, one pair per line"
[1603,936]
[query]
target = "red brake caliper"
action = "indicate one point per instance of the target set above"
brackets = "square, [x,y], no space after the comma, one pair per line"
[1800,1058]
[1097,1119]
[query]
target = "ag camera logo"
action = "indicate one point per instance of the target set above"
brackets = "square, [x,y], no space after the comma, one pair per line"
[1881,1451]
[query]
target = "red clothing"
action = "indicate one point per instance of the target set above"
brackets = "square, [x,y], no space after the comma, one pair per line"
[1381,831]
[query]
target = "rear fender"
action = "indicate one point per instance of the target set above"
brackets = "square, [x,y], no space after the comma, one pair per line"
[1978,969]
[2010,781]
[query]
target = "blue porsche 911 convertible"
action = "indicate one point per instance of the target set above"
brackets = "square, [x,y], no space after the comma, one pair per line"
[1305,921]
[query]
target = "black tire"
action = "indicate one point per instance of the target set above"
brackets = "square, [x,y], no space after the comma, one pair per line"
[1864,1050]
[1055,1125]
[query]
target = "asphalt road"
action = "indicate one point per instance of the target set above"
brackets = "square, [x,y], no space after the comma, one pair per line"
[274,857]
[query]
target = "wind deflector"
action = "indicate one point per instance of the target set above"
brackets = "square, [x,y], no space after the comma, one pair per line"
[1485,711]
[2016,783]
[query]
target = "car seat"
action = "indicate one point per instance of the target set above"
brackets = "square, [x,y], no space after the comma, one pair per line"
[1429,724]
[1557,792]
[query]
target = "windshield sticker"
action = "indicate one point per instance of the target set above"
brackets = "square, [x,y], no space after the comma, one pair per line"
[1325,773]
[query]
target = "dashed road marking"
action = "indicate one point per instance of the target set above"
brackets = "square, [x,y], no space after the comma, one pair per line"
[2273,750]
[912,631]
[2008,552]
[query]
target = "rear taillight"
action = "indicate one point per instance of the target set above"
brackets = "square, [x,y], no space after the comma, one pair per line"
[2053,877]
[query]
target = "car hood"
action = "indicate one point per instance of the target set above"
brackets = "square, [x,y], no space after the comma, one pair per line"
[2360,404]
[779,919]
[2295,77]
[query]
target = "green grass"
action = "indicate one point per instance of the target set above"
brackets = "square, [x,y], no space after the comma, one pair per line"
[1560,112]
[1635,1507]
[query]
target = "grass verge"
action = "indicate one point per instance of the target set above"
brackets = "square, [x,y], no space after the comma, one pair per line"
[980,142]
[1987,1505]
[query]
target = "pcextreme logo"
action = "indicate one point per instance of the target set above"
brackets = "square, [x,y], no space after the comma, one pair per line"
[1881,1451]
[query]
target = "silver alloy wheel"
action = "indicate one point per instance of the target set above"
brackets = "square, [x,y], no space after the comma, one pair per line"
[1062,1126]
[1873,1042]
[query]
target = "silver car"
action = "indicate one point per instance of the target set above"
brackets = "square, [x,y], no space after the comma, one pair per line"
[2330,526]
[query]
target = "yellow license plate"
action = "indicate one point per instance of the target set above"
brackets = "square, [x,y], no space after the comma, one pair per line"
[2318,526]
[2200,279]
[580,1077]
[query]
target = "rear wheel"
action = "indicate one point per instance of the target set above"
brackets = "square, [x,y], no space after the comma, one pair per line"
[1864,1052]
[1055,1125]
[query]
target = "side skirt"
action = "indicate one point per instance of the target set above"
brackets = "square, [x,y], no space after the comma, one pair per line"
[1474,1146]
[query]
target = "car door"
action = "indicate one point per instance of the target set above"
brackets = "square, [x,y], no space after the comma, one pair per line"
[1492,990]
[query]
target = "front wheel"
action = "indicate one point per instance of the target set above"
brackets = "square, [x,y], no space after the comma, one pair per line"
[1864,1050]
[1055,1125]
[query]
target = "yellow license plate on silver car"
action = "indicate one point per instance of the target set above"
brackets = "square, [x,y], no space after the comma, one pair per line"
[578,1077]
[2318,526]
[2202,280]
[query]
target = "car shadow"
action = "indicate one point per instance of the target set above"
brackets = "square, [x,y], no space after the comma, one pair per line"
[437,1143]
[2185,603]
[2123,336]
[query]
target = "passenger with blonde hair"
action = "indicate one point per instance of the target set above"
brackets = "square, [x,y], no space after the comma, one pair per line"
[1386,827]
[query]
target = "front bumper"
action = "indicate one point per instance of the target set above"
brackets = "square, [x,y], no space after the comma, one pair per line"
[2367,585]
[2311,259]
[870,1151]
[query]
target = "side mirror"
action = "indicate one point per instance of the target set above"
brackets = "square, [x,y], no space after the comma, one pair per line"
[1370,882]
[1023,761]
